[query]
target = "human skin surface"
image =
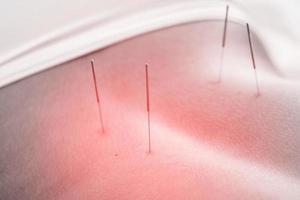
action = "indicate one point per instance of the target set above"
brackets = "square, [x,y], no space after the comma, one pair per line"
[210,140]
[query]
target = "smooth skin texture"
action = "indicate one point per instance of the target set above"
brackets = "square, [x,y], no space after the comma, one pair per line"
[209,140]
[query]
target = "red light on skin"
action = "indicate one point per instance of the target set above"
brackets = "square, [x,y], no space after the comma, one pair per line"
[211,142]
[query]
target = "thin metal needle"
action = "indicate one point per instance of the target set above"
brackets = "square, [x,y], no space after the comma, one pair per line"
[253,59]
[148,108]
[97,95]
[223,43]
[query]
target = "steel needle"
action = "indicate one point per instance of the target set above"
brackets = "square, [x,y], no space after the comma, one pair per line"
[223,43]
[97,95]
[148,108]
[253,59]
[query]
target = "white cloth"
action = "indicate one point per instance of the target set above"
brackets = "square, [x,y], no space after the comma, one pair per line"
[37,35]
